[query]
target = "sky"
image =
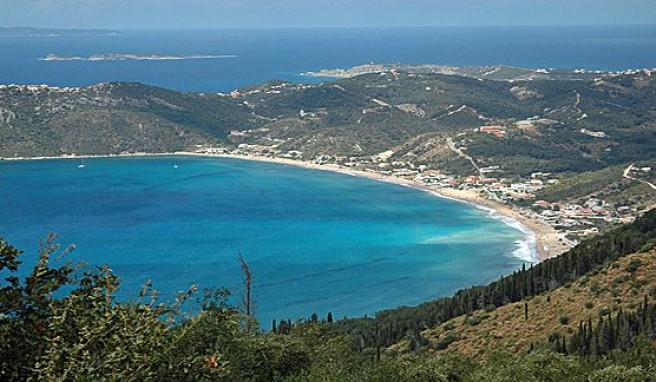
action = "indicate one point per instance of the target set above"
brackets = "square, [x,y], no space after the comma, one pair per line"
[190,14]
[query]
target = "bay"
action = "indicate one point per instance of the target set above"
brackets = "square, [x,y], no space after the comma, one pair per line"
[316,241]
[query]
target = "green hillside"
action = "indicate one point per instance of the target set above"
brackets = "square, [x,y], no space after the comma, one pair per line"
[561,126]
[111,118]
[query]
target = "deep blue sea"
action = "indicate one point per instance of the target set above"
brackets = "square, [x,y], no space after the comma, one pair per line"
[263,55]
[316,241]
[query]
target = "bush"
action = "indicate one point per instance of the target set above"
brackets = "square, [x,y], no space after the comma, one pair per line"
[604,312]
[648,246]
[64,323]
[620,373]
[448,340]
[449,326]
[473,321]
[564,320]
[633,265]
[620,280]
[554,336]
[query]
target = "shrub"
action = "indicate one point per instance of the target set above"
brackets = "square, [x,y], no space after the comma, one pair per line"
[633,265]
[65,324]
[448,340]
[449,326]
[554,336]
[620,280]
[473,321]
[648,246]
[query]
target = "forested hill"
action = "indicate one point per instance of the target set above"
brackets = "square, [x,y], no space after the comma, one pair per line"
[603,311]
[569,125]
[111,118]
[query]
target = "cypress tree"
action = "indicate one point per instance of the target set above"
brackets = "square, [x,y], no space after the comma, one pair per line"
[526,311]
[377,339]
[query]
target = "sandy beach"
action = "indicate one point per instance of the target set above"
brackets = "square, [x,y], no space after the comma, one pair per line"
[546,238]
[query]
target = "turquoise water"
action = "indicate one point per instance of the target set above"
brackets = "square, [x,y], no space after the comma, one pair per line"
[316,241]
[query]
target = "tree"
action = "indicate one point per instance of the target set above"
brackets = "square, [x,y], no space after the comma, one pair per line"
[526,311]
[247,278]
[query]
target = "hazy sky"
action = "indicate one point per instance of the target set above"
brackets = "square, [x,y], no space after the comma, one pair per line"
[175,14]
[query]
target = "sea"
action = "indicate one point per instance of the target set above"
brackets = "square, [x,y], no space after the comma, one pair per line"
[316,241]
[223,60]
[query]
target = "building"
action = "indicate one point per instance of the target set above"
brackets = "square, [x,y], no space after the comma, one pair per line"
[497,131]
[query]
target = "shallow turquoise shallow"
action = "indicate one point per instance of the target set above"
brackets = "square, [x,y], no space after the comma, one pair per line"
[317,241]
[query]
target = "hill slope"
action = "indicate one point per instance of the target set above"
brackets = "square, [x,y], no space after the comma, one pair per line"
[111,118]
[621,285]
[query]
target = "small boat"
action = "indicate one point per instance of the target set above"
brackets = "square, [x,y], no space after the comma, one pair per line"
[82,164]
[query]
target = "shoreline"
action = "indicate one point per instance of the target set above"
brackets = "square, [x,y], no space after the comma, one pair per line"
[542,239]
[537,234]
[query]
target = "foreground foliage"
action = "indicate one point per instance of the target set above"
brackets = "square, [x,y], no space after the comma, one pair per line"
[63,322]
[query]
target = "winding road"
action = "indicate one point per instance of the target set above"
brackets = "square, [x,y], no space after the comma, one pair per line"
[627,175]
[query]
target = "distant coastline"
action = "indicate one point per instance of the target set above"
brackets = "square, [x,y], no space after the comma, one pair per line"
[541,240]
[135,57]
[54,32]
[485,72]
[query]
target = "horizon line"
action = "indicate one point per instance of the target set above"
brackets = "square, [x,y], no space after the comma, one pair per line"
[192,28]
